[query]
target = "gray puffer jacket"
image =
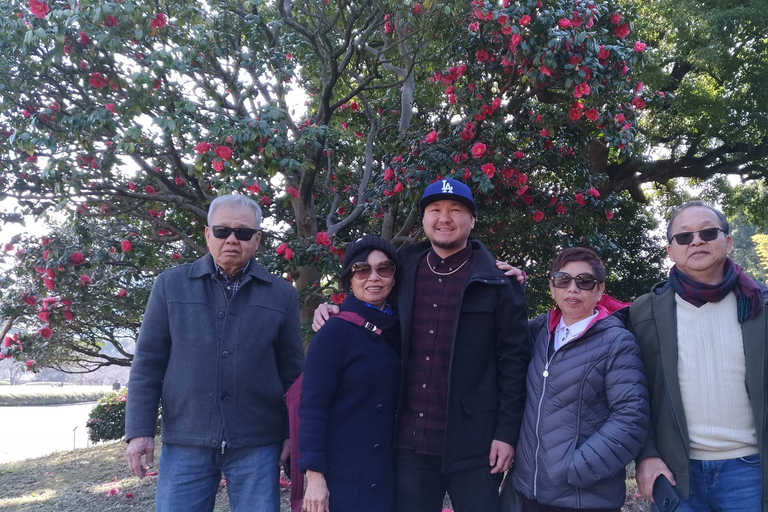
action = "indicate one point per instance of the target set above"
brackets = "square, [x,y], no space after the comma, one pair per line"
[586,415]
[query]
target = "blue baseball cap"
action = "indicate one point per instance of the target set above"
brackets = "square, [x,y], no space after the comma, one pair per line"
[447,189]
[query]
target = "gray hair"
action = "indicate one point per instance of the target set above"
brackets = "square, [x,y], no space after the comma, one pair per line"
[700,204]
[237,202]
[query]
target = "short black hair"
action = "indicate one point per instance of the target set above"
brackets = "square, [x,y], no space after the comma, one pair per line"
[580,254]
[701,204]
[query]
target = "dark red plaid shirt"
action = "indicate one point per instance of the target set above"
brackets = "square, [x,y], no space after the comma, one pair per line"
[435,304]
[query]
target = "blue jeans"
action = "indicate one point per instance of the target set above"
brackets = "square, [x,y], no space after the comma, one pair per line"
[725,485]
[189,476]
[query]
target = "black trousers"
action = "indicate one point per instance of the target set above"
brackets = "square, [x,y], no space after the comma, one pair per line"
[421,485]
[535,506]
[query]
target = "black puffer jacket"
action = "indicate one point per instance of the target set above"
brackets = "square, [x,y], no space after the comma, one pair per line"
[586,415]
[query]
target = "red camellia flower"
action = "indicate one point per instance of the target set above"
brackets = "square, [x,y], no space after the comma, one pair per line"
[417,8]
[110,21]
[203,147]
[525,20]
[68,314]
[431,137]
[338,298]
[593,192]
[388,28]
[620,118]
[592,114]
[638,102]
[482,55]
[126,245]
[322,238]
[502,19]
[575,114]
[581,90]
[217,164]
[489,169]
[564,23]
[292,191]
[110,107]
[389,173]
[580,199]
[608,214]
[97,80]
[478,150]
[223,152]
[398,188]
[31,362]
[621,31]
[265,200]
[175,256]
[159,21]
[615,18]
[85,279]
[77,258]
[288,253]
[84,39]
[537,216]
[39,9]
[281,248]
[122,292]
[639,47]
[519,154]
[46,332]
[515,40]
[149,189]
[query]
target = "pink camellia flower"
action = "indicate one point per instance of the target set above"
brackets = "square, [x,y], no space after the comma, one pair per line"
[149,189]
[621,31]
[217,164]
[292,192]
[608,214]
[223,152]
[31,362]
[288,254]
[203,147]
[122,293]
[489,169]
[638,102]
[389,174]
[46,332]
[85,279]
[482,55]
[615,18]
[44,316]
[431,137]
[159,21]
[544,132]
[564,23]
[639,47]
[281,248]
[620,118]
[580,199]
[49,283]
[592,114]
[77,258]
[581,90]
[388,28]
[132,187]
[575,114]
[593,192]
[545,71]
[417,8]
[97,80]
[110,21]
[322,238]
[29,299]
[398,188]
[68,314]
[175,256]
[525,20]
[537,216]
[39,9]
[126,246]
[519,154]
[7,342]
[478,150]
[110,107]
[265,200]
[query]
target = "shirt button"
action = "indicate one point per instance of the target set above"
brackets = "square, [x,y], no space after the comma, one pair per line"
[424,386]
[431,331]
[377,446]
[439,279]
[380,407]
[373,487]
[225,353]
[427,358]
[214,442]
[220,314]
[434,305]
[421,415]
[224,396]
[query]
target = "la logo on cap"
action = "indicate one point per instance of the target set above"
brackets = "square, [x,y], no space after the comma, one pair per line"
[447,188]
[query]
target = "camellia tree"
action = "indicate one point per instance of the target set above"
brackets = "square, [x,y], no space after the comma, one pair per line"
[121,121]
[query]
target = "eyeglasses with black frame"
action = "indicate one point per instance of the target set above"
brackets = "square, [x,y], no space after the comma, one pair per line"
[242,234]
[583,281]
[364,270]
[706,235]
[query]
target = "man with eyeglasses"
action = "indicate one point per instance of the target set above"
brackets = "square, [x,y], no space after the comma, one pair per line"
[220,343]
[703,338]
[465,350]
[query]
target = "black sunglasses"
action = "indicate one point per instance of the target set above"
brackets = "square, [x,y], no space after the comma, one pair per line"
[706,235]
[583,281]
[242,234]
[364,270]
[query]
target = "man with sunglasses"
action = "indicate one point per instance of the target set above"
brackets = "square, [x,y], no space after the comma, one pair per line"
[465,351]
[703,341]
[220,342]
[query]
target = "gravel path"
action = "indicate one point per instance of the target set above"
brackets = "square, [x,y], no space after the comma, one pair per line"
[34,431]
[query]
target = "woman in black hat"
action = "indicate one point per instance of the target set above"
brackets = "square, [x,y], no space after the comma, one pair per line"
[350,389]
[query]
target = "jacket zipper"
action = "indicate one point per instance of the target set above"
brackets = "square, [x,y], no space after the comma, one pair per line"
[544,374]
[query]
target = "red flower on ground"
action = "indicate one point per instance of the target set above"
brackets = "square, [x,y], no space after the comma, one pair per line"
[46,332]
[223,152]
[322,238]
[478,150]
[39,9]
[126,246]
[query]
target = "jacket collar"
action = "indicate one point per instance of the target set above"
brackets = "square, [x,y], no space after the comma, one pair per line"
[205,266]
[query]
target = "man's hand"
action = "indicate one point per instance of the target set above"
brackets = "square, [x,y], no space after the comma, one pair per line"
[647,472]
[502,456]
[322,314]
[137,447]
[511,271]
[317,497]
[284,453]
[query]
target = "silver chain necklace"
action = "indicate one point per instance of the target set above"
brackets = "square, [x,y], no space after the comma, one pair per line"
[446,273]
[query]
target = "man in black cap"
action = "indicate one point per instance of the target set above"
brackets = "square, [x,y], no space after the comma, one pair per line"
[465,353]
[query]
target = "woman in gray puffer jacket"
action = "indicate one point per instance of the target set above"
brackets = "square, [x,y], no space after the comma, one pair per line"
[586,414]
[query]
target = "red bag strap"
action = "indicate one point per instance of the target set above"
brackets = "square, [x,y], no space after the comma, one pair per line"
[356,319]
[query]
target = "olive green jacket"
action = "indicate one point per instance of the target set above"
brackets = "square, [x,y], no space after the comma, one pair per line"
[652,320]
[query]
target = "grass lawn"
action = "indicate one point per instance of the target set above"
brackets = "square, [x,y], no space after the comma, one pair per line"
[50,395]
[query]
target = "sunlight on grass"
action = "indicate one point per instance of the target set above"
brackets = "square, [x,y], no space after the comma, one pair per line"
[37,497]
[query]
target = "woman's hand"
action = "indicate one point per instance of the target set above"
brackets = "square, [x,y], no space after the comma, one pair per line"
[316,497]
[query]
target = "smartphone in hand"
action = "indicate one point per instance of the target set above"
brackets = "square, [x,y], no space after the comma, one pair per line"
[665,499]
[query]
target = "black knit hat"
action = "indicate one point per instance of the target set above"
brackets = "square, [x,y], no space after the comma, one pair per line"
[359,250]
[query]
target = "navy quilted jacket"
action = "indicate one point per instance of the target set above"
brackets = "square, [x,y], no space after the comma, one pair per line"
[586,415]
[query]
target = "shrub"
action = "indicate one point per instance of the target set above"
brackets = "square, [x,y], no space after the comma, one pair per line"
[106,422]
